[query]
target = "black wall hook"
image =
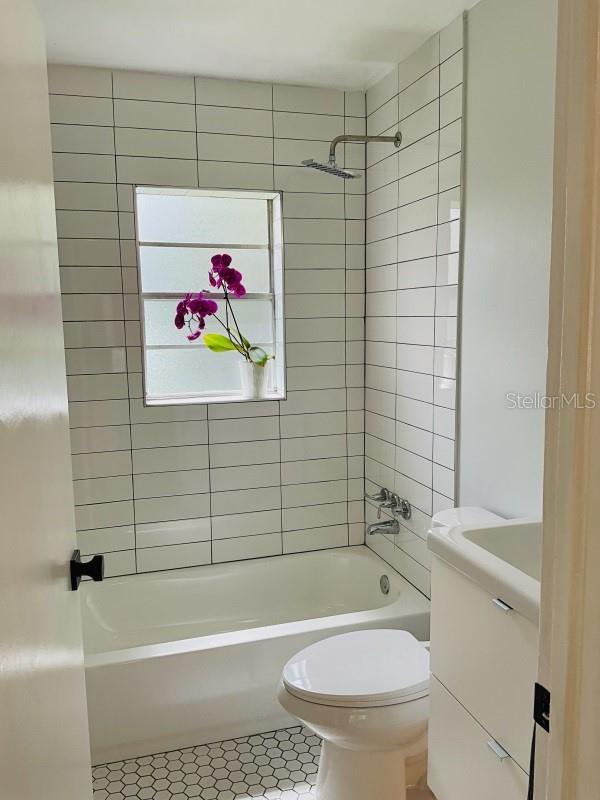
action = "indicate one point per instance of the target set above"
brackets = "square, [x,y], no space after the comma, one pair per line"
[94,569]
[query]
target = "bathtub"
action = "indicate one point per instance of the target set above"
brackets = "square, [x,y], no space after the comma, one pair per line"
[192,656]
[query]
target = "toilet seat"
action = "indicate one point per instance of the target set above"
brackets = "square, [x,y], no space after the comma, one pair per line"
[361,669]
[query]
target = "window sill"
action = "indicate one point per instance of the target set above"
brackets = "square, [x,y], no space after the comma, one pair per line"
[210,399]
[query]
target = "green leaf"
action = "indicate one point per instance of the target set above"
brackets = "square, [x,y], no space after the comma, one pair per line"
[246,343]
[218,343]
[258,356]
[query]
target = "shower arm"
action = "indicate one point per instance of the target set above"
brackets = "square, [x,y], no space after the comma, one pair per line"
[396,140]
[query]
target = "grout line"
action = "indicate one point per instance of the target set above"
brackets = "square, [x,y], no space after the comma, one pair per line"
[124,325]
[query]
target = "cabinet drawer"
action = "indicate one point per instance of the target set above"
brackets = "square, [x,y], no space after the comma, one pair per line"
[486,657]
[462,765]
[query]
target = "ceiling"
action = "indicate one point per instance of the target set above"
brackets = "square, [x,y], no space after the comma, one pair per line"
[347,44]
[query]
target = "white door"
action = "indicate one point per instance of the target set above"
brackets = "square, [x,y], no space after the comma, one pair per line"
[44,747]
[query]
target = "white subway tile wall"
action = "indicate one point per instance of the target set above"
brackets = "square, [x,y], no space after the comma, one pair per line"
[412,255]
[170,487]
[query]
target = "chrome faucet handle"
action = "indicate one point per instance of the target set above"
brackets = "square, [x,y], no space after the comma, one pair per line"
[381,496]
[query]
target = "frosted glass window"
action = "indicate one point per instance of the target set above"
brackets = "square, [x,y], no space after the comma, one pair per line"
[178,230]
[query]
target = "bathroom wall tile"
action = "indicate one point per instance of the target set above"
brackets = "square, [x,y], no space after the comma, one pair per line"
[417,185]
[85,196]
[451,139]
[104,515]
[419,155]
[321,127]
[451,38]
[451,72]
[157,171]
[258,546]
[451,105]
[81,111]
[158,534]
[244,453]
[101,439]
[445,331]
[449,175]
[84,167]
[169,434]
[82,139]
[170,459]
[423,91]
[151,559]
[307,494]
[263,408]
[88,253]
[228,526]
[308,100]
[153,86]
[443,480]
[106,540]
[121,563]
[444,422]
[95,360]
[383,121]
[102,490]
[155,115]
[247,122]
[224,175]
[110,333]
[163,144]
[443,451]
[243,430]
[238,94]
[221,147]
[414,440]
[444,392]
[168,484]
[102,465]
[318,516]
[238,501]
[232,478]
[97,387]
[90,81]
[316,470]
[300,541]
[163,509]
[382,91]
[311,205]
[93,413]
[446,299]
[422,61]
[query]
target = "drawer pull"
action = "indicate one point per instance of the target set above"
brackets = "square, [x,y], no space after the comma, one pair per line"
[501,605]
[498,750]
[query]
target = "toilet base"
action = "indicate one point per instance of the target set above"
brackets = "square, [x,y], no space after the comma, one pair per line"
[360,774]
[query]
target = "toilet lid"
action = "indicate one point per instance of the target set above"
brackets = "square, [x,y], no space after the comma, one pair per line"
[360,669]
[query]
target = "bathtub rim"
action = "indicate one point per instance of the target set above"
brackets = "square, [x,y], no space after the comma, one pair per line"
[418,603]
[263,632]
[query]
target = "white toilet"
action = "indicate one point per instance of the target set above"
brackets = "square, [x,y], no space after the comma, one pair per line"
[366,693]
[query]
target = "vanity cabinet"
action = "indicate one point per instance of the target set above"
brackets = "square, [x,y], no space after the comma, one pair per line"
[484,666]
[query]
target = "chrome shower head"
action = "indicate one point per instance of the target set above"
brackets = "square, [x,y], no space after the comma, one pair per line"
[331,168]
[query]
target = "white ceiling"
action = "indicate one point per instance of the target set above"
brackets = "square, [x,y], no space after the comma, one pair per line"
[343,43]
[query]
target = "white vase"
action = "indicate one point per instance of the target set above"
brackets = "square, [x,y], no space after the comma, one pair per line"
[254,380]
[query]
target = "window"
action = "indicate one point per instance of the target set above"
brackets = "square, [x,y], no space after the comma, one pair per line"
[178,231]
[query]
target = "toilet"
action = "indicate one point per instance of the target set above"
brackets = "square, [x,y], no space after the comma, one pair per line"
[366,694]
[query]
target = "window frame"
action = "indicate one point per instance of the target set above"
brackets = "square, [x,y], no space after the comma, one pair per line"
[276,296]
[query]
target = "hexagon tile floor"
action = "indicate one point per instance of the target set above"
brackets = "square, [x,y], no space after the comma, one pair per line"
[281,765]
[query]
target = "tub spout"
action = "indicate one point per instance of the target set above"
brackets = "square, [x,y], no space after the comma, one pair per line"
[388,526]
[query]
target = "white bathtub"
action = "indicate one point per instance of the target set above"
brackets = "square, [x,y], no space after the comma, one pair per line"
[192,656]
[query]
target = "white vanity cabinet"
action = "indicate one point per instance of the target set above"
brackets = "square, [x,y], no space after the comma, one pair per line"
[484,666]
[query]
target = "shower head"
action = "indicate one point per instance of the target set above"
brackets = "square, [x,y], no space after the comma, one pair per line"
[331,168]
